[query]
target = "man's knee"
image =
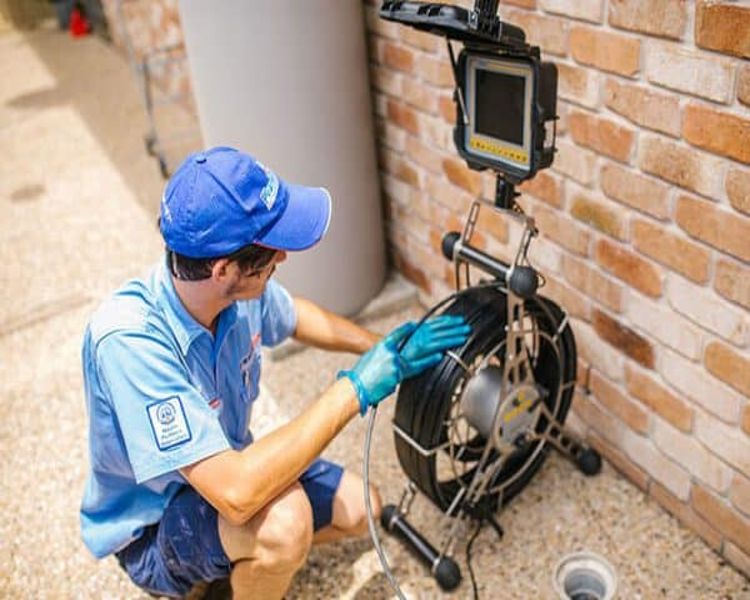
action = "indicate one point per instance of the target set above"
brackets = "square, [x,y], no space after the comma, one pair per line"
[352,513]
[287,532]
[377,509]
[278,538]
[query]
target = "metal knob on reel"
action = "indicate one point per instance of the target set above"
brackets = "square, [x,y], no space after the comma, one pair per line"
[522,280]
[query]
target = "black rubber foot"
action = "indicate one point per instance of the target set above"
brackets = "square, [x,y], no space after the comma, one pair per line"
[386,515]
[589,462]
[448,574]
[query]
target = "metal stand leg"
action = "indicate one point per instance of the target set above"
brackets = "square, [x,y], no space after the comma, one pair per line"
[569,445]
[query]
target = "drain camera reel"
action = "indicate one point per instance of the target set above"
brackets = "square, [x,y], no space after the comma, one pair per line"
[471,432]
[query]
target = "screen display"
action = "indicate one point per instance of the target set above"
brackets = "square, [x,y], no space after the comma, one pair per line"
[499,109]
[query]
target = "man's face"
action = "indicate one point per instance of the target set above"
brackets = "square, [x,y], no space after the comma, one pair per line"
[251,284]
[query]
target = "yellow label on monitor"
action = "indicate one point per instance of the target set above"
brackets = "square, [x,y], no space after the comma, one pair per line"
[506,152]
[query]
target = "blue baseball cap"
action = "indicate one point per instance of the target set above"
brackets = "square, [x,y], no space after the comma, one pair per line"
[222,199]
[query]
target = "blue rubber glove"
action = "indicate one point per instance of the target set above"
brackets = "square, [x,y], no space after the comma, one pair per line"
[426,346]
[377,373]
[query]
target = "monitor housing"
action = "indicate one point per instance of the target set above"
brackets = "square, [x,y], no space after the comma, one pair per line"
[506,96]
[505,113]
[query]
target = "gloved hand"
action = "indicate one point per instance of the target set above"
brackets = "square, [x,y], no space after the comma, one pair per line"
[427,344]
[377,373]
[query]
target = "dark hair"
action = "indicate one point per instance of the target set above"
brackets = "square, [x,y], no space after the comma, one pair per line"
[249,258]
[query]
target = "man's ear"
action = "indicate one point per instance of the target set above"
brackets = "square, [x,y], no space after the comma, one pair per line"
[220,270]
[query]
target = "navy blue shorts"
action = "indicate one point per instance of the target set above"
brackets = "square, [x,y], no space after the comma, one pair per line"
[184,547]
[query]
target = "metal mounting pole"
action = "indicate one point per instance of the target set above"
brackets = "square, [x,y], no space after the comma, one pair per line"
[484,15]
[505,193]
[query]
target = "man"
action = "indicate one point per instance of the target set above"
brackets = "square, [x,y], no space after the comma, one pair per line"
[178,490]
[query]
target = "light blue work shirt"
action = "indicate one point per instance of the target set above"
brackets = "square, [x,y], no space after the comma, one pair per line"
[162,393]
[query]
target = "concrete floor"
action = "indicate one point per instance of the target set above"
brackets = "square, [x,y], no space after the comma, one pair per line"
[79,198]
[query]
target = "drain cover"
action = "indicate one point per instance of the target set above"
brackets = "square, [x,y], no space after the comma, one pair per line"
[585,576]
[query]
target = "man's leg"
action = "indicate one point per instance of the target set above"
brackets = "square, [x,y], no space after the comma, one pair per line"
[349,515]
[271,547]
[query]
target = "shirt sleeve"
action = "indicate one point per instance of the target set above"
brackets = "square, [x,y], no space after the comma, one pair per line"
[278,315]
[165,421]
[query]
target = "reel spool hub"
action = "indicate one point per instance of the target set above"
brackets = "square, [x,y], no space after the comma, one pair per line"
[502,418]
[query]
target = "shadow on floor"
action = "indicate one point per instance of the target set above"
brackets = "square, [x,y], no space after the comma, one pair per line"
[94,78]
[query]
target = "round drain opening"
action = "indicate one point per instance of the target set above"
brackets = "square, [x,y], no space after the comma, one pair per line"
[585,576]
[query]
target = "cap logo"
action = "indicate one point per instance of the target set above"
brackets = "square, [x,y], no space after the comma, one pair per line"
[165,207]
[271,189]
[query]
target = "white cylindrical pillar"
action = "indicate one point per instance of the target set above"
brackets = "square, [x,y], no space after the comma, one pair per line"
[287,82]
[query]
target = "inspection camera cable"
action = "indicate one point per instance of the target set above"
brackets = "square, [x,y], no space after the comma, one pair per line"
[366,475]
[368,506]
[371,519]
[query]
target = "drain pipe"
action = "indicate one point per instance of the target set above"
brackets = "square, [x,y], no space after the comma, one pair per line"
[584,576]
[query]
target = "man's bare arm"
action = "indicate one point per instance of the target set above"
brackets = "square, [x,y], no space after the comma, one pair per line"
[324,329]
[239,483]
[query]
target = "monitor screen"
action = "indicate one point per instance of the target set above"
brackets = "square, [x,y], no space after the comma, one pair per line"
[499,109]
[507,109]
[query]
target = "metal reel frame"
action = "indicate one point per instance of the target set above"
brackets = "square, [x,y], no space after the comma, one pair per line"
[480,485]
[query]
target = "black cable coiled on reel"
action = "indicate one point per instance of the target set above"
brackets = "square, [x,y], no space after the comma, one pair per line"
[423,404]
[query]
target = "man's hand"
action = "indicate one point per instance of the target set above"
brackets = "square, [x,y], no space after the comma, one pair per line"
[378,372]
[426,345]
[376,375]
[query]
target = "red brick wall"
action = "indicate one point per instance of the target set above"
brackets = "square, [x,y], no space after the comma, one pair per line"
[644,219]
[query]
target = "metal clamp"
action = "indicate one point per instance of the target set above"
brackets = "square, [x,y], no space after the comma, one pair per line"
[426,452]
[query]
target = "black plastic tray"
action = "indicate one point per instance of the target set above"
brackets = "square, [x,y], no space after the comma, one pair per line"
[453,22]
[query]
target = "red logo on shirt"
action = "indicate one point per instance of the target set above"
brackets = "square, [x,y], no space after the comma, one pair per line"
[215,403]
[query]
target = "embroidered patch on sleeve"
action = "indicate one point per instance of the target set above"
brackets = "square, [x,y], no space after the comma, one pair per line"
[169,423]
